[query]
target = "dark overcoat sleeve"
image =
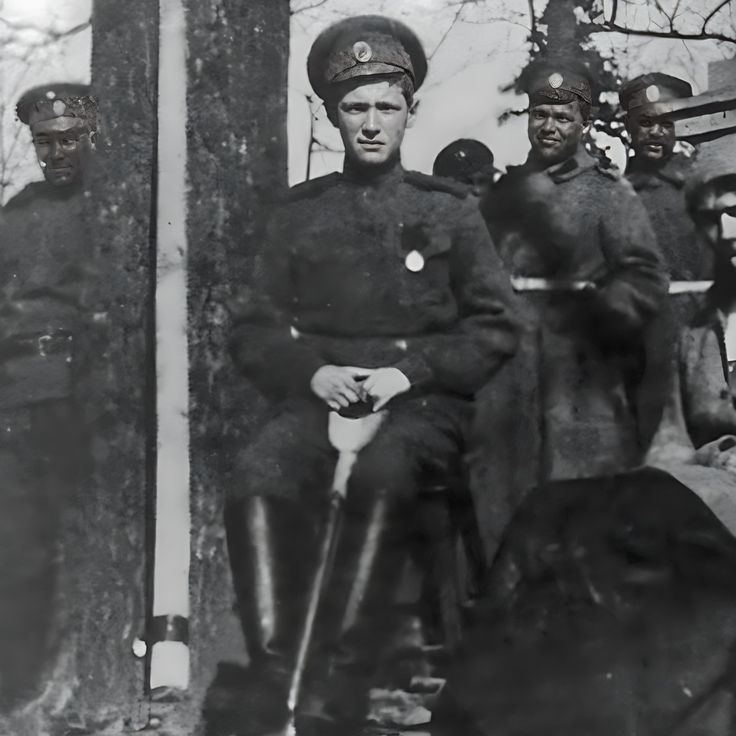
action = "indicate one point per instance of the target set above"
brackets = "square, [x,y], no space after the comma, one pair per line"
[461,359]
[263,344]
[635,284]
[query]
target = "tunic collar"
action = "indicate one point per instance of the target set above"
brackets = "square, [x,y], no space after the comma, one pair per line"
[379,176]
[568,169]
[674,171]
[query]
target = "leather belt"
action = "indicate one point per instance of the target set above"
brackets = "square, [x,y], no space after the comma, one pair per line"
[533,283]
[41,344]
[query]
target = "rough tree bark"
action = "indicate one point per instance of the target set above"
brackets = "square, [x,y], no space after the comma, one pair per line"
[238,60]
[113,576]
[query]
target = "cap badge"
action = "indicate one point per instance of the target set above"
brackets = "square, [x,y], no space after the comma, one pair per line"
[555,80]
[59,107]
[362,52]
[414,261]
[652,93]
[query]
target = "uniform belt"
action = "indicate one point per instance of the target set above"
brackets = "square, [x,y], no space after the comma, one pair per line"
[533,283]
[41,344]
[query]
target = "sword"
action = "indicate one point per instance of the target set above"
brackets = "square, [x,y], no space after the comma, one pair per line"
[348,435]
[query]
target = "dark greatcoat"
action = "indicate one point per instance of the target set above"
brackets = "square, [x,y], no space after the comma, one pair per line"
[332,286]
[687,257]
[661,189]
[564,407]
[45,249]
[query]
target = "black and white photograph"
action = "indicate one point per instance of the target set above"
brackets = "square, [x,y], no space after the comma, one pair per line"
[368,368]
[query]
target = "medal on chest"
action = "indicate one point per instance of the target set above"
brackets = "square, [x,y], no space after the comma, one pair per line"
[413,244]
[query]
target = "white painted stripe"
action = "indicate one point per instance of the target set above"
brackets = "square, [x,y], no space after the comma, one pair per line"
[169,663]
[533,283]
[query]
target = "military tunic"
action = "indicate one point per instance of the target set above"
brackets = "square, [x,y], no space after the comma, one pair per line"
[392,270]
[45,252]
[661,189]
[575,222]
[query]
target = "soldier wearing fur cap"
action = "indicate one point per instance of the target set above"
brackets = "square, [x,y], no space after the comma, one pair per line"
[374,285]
[46,254]
[581,249]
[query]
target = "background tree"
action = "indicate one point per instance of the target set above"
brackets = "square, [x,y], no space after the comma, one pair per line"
[238,57]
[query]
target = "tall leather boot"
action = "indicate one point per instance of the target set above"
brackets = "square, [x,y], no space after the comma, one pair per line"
[271,543]
[356,620]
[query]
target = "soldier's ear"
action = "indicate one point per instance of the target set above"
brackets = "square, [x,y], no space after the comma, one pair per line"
[412,113]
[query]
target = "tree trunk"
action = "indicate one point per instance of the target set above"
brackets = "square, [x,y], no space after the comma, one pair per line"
[238,60]
[562,37]
[111,552]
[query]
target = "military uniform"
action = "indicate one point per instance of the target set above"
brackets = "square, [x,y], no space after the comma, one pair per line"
[580,247]
[373,267]
[662,190]
[45,256]
[661,184]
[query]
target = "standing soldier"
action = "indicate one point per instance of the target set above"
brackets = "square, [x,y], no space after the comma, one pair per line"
[378,284]
[659,175]
[46,250]
[579,245]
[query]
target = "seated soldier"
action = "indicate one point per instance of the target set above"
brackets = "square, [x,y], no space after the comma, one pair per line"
[378,285]
[612,604]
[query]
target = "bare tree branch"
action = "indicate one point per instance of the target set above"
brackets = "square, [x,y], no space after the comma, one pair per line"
[608,27]
[305,8]
[713,13]
[460,9]
[614,11]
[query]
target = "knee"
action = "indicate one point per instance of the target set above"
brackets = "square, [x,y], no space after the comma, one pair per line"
[383,473]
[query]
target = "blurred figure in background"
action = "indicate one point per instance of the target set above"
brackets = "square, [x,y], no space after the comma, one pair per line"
[45,252]
[468,162]
[659,173]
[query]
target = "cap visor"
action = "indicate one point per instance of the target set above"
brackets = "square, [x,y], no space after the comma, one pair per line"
[369,69]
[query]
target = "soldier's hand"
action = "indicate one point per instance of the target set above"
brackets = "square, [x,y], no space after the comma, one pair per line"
[384,384]
[338,385]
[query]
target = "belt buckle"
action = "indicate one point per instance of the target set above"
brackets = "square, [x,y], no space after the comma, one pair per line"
[42,343]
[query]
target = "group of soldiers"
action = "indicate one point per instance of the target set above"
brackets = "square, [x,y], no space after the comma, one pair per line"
[520,320]
[543,292]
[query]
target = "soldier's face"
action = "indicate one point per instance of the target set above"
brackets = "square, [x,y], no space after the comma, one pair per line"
[714,212]
[555,131]
[60,147]
[652,134]
[372,118]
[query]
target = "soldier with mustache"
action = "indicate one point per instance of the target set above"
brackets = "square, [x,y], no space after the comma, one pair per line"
[659,173]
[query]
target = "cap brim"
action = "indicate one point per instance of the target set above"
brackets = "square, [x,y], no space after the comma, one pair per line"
[371,68]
